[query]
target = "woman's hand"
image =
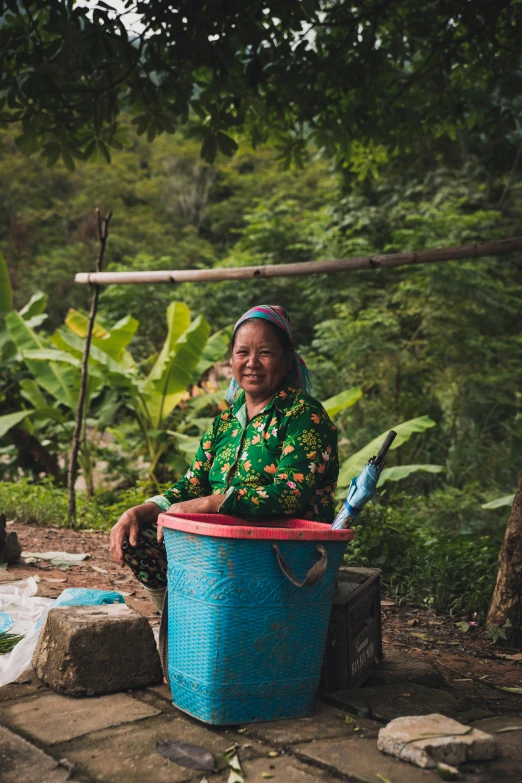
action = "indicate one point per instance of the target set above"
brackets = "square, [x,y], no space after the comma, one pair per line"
[206,505]
[128,526]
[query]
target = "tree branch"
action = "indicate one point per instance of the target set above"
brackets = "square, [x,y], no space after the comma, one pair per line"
[103,230]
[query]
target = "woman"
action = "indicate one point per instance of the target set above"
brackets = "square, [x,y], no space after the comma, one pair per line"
[272,453]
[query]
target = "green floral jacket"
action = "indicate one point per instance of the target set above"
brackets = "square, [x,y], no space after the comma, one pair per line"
[282,462]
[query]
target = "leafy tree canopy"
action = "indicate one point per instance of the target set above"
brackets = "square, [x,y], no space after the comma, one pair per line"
[356,79]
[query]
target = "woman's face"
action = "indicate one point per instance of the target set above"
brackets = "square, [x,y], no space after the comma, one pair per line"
[259,363]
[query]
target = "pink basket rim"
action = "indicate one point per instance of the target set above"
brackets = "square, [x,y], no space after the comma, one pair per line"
[224,526]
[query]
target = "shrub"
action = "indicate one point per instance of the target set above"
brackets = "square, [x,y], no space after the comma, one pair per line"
[423,564]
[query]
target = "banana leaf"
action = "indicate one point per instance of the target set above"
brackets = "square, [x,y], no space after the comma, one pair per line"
[355,463]
[11,420]
[61,380]
[113,342]
[399,472]
[344,399]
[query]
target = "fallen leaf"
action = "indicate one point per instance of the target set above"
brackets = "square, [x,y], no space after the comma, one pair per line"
[100,570]
[48,579]
[387,603]
[273,753]
[441,642]
[233,762]
[508,728]
[446,772]
[423,636]
[404,694]
[463,626]
[512,690]
[515,657]
[235,777]
[186,755]
[266,775]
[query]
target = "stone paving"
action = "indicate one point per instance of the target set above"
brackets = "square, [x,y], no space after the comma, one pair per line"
[49,738]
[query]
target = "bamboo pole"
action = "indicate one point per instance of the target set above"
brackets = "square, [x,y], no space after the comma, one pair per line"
[457,253]
[72,471]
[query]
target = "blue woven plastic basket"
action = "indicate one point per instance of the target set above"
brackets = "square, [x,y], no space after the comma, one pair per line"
[246,644]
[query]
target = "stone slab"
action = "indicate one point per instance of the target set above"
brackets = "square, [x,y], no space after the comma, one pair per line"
[27,684]
[509,743]
[359,759]
[91,650]
[393,701]
[325,722]
[21,762]
[52,718]
[398,667]
[425,740]
[128,754]
[284,769]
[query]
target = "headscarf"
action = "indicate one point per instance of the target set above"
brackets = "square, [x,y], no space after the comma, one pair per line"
[299,374]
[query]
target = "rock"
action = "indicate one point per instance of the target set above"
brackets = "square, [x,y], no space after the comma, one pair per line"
[431,739]
[10,549]
[398,667]
[89,650]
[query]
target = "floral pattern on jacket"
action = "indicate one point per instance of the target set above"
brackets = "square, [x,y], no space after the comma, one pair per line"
[283,462]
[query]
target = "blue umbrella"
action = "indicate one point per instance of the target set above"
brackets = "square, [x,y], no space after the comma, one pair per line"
[363,487]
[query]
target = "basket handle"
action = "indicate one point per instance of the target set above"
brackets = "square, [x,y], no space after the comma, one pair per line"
[313,575]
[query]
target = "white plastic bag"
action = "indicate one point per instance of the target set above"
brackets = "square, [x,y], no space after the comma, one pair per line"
[20,601]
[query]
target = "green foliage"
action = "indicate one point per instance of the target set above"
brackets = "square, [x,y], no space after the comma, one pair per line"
[349,77]
[425,563]
[356,462]
[6,296]
[8,641]
[506,500]
[44,503]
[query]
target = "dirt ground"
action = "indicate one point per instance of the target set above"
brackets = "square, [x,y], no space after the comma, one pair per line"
[468,660]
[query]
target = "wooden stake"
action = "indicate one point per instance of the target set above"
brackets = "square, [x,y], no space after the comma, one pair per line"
[72,472]
[459,252]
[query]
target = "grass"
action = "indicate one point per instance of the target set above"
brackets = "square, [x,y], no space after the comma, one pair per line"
[44,503]
[8,641]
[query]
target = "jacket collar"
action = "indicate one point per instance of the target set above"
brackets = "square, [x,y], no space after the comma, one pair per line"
[282,400]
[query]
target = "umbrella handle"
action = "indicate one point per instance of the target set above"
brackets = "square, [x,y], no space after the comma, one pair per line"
[313,575]
[390,437]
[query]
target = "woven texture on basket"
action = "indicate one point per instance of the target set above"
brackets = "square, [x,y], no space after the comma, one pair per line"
[244,644]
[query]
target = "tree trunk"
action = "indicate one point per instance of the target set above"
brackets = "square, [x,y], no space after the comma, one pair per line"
[506,604]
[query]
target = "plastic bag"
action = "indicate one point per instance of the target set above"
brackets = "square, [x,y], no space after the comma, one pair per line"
[29,611]
[6,622]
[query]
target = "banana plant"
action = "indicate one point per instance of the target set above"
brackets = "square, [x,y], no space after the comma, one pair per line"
[186,354]
[56,373]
